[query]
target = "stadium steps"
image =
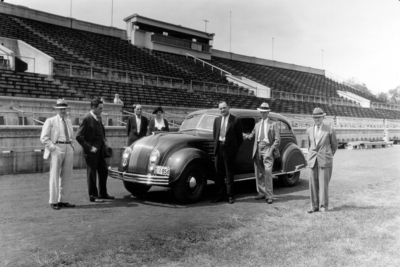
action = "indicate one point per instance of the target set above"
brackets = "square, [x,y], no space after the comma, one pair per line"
[50,40]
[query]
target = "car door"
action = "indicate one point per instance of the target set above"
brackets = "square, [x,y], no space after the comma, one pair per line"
[244,161]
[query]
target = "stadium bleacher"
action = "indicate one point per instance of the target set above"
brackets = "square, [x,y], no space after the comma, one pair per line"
[89,64]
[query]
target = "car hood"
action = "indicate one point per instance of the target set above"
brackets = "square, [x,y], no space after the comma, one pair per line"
[166,144]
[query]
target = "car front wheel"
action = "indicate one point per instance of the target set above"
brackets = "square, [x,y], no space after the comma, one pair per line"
[190,186]
[289,179]
[138,190]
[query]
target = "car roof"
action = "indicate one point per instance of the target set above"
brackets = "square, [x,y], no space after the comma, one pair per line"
[238,112]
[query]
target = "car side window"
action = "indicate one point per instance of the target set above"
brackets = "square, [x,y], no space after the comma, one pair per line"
[248,124]
[283,127]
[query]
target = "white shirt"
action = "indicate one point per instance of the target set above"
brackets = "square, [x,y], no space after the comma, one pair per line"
[317,131]
[62,137]
[224,123]
[265,131]
[159,125]
[138,122]
[94,116]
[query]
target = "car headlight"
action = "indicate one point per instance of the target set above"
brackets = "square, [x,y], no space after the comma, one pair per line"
[127,152]
[125,156]
[153,159]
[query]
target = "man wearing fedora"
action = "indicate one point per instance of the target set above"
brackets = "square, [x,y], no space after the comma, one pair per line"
[91,136]
[228,136]
[136,126]
[265,150]
[57,134]
[322,145]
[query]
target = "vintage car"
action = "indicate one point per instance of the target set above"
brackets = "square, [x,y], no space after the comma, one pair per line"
[184,160]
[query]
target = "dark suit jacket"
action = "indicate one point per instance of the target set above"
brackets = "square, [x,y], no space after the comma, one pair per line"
[322,148]
[131,129]
[85,134]
[233,135]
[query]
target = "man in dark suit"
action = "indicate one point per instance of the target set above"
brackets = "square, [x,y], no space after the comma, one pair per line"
[91,136]
[265,150]
[228,136]
[322,146]
[136,127]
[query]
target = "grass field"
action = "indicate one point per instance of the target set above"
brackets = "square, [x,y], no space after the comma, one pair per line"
[363,229]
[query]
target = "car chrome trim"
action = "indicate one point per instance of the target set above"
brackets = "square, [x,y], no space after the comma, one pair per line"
[138,178]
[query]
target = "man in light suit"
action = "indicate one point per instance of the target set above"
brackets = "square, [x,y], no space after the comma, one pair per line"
[136,127]
[322,146]
[91,136]
[265,150]
[57,135]
[228,136]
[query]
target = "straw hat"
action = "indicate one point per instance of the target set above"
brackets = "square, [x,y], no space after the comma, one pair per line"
[317,112]
[264,107]
[61,103]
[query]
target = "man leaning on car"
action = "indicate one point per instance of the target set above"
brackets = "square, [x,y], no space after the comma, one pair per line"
[265,150]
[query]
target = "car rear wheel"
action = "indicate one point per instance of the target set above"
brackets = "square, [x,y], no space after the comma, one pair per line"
[289,179]
[190,186]
[138,190]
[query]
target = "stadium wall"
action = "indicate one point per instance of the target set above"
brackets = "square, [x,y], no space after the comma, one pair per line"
[22,152]
[265,62]
[28,13]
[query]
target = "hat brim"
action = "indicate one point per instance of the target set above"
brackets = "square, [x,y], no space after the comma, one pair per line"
[318,115]
[262,109]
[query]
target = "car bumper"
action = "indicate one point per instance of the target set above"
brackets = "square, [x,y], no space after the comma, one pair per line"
[138,178]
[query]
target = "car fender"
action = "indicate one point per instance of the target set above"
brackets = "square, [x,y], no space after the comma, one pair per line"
[181,158]
[293,159]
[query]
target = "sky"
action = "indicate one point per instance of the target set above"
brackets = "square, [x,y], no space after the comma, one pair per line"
[357,39]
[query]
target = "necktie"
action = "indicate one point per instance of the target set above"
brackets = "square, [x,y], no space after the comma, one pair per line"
[65,130]
[138,122]
[262,134]
[222,132]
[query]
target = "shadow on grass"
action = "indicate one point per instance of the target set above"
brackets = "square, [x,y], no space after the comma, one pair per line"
[245,191]
[118,202]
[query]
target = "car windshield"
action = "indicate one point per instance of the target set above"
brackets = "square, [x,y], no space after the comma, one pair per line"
[198,121]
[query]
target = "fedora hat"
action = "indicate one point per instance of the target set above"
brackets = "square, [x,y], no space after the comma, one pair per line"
[61,103]
[317,112]
[158,109]
[264,107]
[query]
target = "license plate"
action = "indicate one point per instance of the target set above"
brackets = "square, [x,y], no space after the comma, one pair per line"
[162,170]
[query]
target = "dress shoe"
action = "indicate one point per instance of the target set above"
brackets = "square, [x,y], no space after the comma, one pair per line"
[322,209]
[95,199]
[313,210]
[215,200]
[231,200]
[54,206]
[259,197]
[66,205]
[269,201]
[106,197]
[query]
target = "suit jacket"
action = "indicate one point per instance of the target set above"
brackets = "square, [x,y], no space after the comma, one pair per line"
[322,148]
[233,134]
[273,135]
[152,127]
[86,132]
[50,133]
[131,128]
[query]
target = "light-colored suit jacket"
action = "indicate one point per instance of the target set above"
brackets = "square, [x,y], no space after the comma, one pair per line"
[50,133]
[274,137]
[321,148]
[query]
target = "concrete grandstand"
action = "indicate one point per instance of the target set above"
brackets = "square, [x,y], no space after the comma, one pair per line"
[46,56]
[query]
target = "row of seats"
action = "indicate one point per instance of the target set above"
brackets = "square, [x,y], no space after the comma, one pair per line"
[32,85]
